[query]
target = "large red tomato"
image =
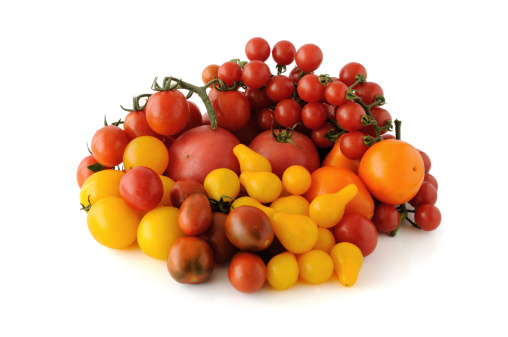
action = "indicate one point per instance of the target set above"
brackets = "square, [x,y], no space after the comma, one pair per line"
[201,150]
[284,154]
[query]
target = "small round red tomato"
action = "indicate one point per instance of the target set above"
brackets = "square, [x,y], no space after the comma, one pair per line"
[247,272]
[249,228]
[167,112]
[335,93]
[427,217]
[215,236]
[256,74]
[349,116]
[427,194]
[368,91]
[310,89]
[386,218]
[295,75]
[288,112]
[257,48]
[182,189]
[359,230]
[352,145]
[279,87]
[135,125]
[426,161]
[308,57]
[230,72]
[349,71]
[314,115]
[190,260]
[258,98]
[195,215]
[264,118]
[283,53]
[318,136]
[381,116]
[431,179]
[141,188]
[232,109]
[108,145]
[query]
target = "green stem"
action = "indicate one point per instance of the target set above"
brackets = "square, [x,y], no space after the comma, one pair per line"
[397,129]
[403,216]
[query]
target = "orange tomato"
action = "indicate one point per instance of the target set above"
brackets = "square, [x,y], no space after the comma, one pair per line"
[392,170]
[331,179]
[336,158]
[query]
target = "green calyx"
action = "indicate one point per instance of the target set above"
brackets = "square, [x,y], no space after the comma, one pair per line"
[136,106]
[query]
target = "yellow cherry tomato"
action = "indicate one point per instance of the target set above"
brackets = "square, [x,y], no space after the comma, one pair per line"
[282,271]
[112,223]
[99,185]
[250,160]
[297,233]
[315,266]
[347,259]
[253,202]
[222,183]
[146,151]
[326,240]
[292,204]
[167,184]
[158,230]
[296,179]
[265,187]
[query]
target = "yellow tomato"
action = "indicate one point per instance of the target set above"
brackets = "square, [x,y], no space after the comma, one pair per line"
[265,187]
[167,184]
[158,230]
[146,151]
[112,223]
[315,266]
[292,204]
[297,233]
[253,202]
[347,259]
[326,240]
[282,271]
[99,185]
[250,160]
[222,183]
[296,179]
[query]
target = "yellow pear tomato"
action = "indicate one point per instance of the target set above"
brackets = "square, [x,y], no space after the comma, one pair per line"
[282,271]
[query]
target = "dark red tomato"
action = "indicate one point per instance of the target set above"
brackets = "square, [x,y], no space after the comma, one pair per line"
[352,145]
[167,112]
[141,188]
[310,89]
[427,194]
[215,236]
[230,72]
[83,171]
[257,48]
[426,161]
[108,145]
[184,188]
[247,272]
[314,115]
[201,150]
[386,218]
[349,116]
[359,230]
[386,136]
[349,71]
[135,125]
[232,109]
[368,91]
[381,116]
[249,228]
[281,155]
[318,136]
[427,217]
[431,179]
[288,112]
[296,75]
[279,87]
[283,53]
[335,93]
[308,57]
[209,73]
[190,260]
[195,119]
[265,118]
[258,99]
[256,74]
[195,215]
[250,131]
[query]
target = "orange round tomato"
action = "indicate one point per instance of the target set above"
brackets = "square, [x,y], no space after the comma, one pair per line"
[392,171]
[331,179]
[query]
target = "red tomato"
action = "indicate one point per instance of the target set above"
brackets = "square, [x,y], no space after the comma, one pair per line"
[167,112]
[195,119]
[215,236]
[288,112]
[256,74]
[349,71]
[251,130]
[230,72]
[310,89]
[283,53]
[257,48]
[232,109]
[83,171]
[135,125]
[201,150]
[279,87]
[182,189]
[308,57]
[349,116]
[386,218]
[318,135]
[141,188]
[190,260]
[249,228]
[335,93]
[352,145]
[314,115]
[359,230]
[258,98]
[195,215]
[247,272]
[264,118]
[209,73]
[381,116]
[427,217]
[108,145]
[368,91]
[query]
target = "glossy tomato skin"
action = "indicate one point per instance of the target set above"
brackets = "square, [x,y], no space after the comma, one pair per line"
[135,125]
[232,109]
[83,171]
[141,188]
[190,260]
[201,150]
[108,144]
[184,188]
[249,228]
[283,155]
[215,236]
[195,215]
[195,119]
[359,230]
[247,272]
[167,112]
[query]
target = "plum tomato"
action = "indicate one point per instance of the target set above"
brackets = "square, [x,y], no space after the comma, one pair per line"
[232,109]
[310,89]
[183,188]
[349,71]
[108,145]
[256,74]
[190,260]
[247,272]
[248,228]
[257,48]
[358,230]
[141,188]
[215,236]
[195,215]
[283,53]
[167,112]
[308,57]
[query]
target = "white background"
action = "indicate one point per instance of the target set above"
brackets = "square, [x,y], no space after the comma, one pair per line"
[64,65]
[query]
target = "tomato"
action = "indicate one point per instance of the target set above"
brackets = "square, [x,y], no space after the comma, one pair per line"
[135,125]
[335,93]
[232,109]
[315,266]
[283,155]
[250,131]
[295,75]
[100,185]
[183,188]
[358,230]
[258,98]
[264,118]
[112,223]
[282,271]
[248,228]
[146,151]
[336,158]
[426,161]
[195,119]
[167,185]
[347,260]
[283,53]
[108,144]
[392,171]
[291,204]
[296,179]
[326,240]
[222,183]
[308,57]
[83,171]
[352,145]
[349,71]
[215,236]
[279,87]
[256,74]
[158,230]
[288,112]
[263,186]
[141,188]
[167,112]
[318,135]
[381,116]
[427,217]
[230,72]
[257,48]
[310,89]
[199,151]
[209,73]
[431,179]
[190,260]
[427,194]
[314,115]
[386,218]
[368,91]
[349,116]
[247,272]
[195,215]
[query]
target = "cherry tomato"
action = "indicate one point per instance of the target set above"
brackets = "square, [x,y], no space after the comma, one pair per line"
[257,48]
[146,151]
[295,75]
[215,236]
[349,116]
[195,215]
[352,145]
[100,185]
[141,188]
[386,218]
[195,119]
[427,217]
[83,171]
[318,135]
[308,57]
[288,112]
[167,112]
[314,115]
[431,179]
[247,272]
[190,260]
[256,74]
[258,98]
[283,53]
[368,91]
[279,87]
[230,72]
[183,188]
[248,228]
[310,89]
[349,71]
[232,109]
[315,266]
[209,73]
[358,230]
[335,93]
[282,271]
[108,145]
[427,194]
[135,125]
[426,161]
[264,118]
[381,116]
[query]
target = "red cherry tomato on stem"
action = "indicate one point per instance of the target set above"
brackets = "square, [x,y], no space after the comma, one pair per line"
[349,71]
[288,112]
[256,74]
[314,115]
[230,72]
[279,87]
[167,112]
[232,109]
[310,89]
[283,53]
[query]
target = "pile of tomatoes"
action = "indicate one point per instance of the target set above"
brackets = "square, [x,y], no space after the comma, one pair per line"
[284,177]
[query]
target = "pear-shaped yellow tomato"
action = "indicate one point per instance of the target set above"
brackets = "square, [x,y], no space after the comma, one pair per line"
[222,183]
[297,233]
[347,260]
[99,185]
[265,187]
[328,209]
[250,160]
[282,271]
[146,151]
[315,266]
[253,202]
[326,240]
[296,179]
[291,204]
